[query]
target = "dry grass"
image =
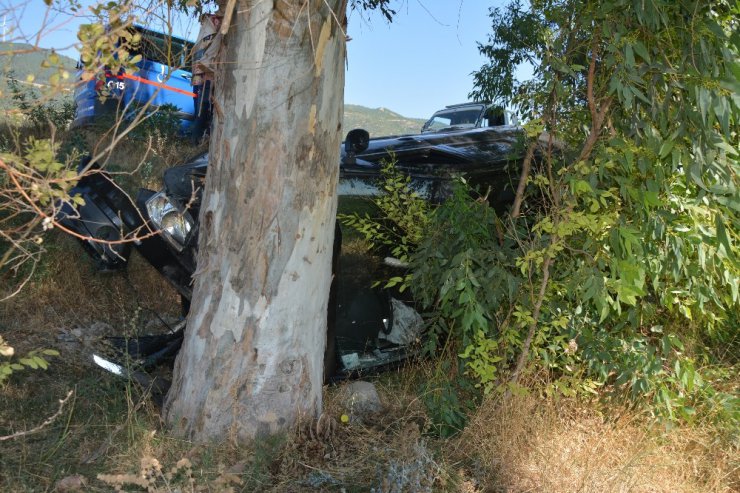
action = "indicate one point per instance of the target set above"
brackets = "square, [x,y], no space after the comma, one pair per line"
[67,291]
[531,444]
[385,450]
[525,444]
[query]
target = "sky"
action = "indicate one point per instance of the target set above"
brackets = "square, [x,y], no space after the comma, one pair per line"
[415,65]
[420,62]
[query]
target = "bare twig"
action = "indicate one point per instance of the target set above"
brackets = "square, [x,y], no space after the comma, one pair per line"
[228,14]
[22,191]
[43,425]
[526,166]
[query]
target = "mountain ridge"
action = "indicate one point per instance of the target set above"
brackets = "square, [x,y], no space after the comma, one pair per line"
[379,121]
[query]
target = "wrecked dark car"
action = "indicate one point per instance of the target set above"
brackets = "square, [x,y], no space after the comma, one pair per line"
[369,329]
[486,157]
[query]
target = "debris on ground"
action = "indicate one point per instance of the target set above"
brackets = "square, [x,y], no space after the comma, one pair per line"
[417,473]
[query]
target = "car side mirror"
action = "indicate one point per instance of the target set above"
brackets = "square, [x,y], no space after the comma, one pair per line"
[357,141]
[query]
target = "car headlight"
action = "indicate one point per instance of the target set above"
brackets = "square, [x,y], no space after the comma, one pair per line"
[174,225]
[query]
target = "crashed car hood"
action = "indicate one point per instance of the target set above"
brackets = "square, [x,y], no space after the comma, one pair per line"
[183,181]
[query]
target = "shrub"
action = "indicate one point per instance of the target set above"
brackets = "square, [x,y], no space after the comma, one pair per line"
[40,114]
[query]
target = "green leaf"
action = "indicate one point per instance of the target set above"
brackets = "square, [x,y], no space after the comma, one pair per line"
[641,51]
[629,55]
[724,239]
[685,311]
[666,148]
[41,362]
[637,92]
[703,100]
[29,362]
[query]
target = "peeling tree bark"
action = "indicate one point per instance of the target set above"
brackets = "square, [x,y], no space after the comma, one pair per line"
[251,362]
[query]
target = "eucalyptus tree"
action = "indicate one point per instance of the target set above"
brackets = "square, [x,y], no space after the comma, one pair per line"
[252,359]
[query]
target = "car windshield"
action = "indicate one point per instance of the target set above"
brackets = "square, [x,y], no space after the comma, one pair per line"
[454,117]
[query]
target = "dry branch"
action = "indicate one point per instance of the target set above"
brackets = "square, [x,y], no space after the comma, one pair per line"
[43,425]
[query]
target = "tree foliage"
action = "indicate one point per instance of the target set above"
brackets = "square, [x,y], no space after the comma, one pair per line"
[618,265]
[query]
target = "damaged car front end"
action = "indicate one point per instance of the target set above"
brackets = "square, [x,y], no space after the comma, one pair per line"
[368,329]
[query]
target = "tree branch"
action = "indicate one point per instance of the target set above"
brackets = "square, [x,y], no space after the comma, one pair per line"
[526,166]
[524,355]
[590,78]
[43,425]
[597,115]
[597,123]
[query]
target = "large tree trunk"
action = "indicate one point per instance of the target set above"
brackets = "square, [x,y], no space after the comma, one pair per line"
[251,362]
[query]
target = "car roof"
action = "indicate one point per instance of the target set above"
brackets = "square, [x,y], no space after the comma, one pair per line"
[462,105]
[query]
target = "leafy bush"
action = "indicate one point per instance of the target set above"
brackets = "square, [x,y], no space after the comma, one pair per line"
[34,360]
[478,278]
[402,218]
[630,271]
[41,114]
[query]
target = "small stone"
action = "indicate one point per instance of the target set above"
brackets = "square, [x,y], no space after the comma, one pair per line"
[99,329]
[360,399]
[320,479]
[70,484]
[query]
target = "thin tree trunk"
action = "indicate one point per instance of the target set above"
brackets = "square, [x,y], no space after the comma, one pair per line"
[251,362]
[597,124]
[522,186]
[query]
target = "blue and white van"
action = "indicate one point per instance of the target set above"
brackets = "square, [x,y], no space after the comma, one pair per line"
[163,77]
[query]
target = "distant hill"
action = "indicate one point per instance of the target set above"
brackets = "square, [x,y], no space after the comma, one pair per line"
[20,60]
[22,64]
[379,121]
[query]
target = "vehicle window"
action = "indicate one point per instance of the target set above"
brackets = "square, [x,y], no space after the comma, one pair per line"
[494,117]
[439,122]
[171,51]
[459,118]
[464,117]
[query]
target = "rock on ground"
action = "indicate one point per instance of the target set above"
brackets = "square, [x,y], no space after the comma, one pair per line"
[360,399]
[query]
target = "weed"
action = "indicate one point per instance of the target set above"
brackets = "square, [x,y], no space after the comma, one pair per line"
[34,359]
[400,223]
